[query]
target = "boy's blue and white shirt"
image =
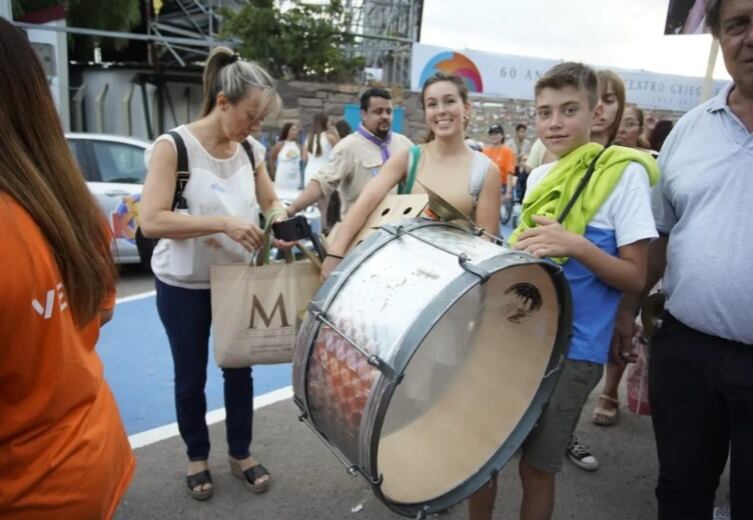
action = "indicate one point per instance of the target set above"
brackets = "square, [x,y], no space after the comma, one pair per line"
[624,218]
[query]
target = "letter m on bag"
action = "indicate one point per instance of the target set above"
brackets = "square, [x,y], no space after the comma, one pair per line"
[257,307]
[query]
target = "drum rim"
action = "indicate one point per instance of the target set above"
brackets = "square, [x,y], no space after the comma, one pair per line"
[519,433]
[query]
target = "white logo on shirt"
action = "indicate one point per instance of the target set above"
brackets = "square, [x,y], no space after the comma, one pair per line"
[46,311]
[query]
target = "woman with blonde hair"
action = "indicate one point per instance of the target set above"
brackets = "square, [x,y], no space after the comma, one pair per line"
[217,221]
[607,411]
[63,450]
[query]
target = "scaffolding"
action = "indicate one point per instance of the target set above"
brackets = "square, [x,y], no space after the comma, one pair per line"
[197,20]
[385,31]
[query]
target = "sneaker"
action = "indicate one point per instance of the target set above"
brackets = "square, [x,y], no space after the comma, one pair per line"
[722,513]
[580,455]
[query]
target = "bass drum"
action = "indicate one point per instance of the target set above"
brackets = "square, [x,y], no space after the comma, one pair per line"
[426,358]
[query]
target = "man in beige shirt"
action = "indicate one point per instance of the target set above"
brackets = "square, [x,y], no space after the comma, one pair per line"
[520,147]
[358,157]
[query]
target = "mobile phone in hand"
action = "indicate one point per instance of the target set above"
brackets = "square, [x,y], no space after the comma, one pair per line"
[292,229]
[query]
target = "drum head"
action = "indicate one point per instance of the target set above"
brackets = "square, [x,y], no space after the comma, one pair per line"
[469,386]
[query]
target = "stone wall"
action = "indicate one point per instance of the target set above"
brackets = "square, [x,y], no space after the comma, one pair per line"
[302,100]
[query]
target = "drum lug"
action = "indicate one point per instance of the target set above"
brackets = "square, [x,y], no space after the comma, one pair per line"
[383,367]
[300,406]
[465,262]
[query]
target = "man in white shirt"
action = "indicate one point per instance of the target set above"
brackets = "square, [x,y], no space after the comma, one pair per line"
[701,363]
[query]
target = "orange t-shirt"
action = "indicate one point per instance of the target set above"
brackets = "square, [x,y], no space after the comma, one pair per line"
[504,158]
[64,452]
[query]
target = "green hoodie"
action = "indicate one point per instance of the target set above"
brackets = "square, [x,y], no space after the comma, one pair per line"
[550,196]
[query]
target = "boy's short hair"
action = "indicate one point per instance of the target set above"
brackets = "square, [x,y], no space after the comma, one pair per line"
[521,126]
[373,92]
[571,74]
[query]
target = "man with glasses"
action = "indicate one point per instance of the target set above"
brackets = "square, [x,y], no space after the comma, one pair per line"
[357,157]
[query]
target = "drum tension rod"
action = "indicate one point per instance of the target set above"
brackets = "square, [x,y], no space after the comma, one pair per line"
[372,359]
[352,469]
[463,259]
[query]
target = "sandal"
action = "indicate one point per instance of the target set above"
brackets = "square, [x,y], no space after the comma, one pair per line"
[251,475]
[198,480]
[606,416]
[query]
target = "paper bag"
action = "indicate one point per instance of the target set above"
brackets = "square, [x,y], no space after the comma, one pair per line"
[257,311]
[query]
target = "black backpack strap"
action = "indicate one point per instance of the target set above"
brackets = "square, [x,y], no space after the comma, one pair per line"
[250,152]
[182,172]
[581,186]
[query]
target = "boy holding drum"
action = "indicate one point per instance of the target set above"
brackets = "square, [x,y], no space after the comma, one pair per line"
[598,228]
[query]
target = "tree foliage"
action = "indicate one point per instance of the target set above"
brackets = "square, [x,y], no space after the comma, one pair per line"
[113,15]
[304,42]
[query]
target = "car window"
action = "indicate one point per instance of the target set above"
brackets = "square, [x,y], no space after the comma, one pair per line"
[119,162]
[78,149]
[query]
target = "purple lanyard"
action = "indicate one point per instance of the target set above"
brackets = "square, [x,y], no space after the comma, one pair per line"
[380,143]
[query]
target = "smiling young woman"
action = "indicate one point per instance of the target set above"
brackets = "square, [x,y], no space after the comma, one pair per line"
[445,165]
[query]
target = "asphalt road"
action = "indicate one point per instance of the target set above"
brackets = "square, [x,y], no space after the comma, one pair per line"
[309,483]
[133,280]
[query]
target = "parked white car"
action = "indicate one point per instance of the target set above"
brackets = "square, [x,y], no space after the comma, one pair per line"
[114,170]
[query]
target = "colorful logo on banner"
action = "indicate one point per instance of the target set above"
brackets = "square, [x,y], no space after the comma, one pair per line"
[457,64]
[125,219]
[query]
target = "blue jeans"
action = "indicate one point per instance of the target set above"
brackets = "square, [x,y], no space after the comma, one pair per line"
[701,391]
[186,315]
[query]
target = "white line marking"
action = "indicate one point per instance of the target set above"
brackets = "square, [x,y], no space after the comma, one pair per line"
[134,297]
[139,440]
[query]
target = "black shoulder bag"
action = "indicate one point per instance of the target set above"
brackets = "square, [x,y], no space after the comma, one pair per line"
[145,245]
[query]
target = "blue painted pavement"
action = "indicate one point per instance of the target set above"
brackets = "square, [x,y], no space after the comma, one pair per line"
[138,368]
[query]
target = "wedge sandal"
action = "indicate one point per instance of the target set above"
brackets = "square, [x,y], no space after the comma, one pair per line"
[199,480]
[251,475]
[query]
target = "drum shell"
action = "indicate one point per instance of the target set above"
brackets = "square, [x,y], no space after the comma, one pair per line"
[371,390]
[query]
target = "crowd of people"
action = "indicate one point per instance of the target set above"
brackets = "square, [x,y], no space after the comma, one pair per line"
[640,223]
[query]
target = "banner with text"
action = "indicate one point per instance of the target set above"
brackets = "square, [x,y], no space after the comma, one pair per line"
[510,76]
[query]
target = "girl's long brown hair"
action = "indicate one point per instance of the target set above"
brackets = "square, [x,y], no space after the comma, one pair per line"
[38,170]
[313,143]
[608,78]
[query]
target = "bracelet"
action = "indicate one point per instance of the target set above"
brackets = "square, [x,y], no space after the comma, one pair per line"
[273,213]
[334,256]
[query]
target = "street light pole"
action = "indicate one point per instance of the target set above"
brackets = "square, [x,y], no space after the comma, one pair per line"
[708,81]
